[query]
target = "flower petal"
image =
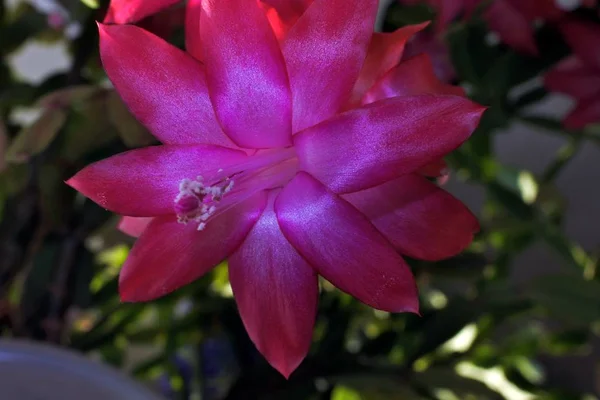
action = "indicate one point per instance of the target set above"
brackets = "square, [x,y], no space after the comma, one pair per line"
[145,182]
[129,11]
[586,112]
[448,10]
[324,52]
[435,47]
[170,255]
[583,38]
[163,87]
[344,247]
[133,226]
[411,77]
[385,139]
[418,218]
[385,52]
[246,73]
[289,10]
[571,76]
[193,42]
[276,291]
[514,28]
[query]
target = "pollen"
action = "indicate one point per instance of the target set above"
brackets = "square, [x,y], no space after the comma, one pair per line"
[197,201]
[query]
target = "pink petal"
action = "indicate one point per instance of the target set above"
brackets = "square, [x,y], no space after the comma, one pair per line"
[246,73]
[133,226]
[324,53]
[170,255]
[145,182]
[128,11]
[411,77]
[385,52]
[193,43]
[276,291]
[344,247]
[279,26]
[368,146]
[584,38]
[513,28]
[586,112]
[418,218]
[573,77]
[434,46]
[533,9]
[434,169]
[162,86]
[289,10]
[165,23]
[448,10]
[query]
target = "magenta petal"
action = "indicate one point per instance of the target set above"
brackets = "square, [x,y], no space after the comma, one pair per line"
[411,77]
[512,26]
[145,182]
[289,10]
[344,247]
[583,37]
[586,112]
[448,10]
[385,52]
[170,255]
[571,76]
[324,52]
[128,11]
[385,139]
[420,219]
[134,226]
[193,42]
[276,291]
[163,87]
[246,73]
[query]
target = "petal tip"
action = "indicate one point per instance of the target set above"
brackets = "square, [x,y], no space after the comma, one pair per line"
[286,367]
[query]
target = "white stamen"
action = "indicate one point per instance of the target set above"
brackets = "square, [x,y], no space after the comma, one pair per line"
[208,197]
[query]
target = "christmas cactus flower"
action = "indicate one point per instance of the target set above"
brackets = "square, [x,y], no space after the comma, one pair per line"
[131,11]
[579,75]
[161,17]
[512,20]
[292,145]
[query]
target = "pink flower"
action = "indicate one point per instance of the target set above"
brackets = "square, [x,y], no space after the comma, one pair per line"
[161,17]
[260,166]
[432,44]
[579,75]
[132,11]
[512,20]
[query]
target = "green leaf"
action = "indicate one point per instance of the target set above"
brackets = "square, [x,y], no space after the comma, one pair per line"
[84,273]
[38,280]
[375,387]
[55,197]
[445,324]
[345,393]
[130,130]
[70,96]
[568,297]
[37,137]
[462,387]
[87,128]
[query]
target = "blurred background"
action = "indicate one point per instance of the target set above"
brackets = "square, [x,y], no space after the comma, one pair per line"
[517,316]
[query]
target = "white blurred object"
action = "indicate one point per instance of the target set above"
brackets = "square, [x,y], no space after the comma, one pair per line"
[33,371]
[58,17]
[568,5]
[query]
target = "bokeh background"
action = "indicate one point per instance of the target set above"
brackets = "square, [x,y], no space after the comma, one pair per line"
[517,316]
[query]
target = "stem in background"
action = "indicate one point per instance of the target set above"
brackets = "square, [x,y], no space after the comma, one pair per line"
[565,155]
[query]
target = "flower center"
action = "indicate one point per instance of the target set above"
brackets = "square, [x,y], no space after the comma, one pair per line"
[205,196]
